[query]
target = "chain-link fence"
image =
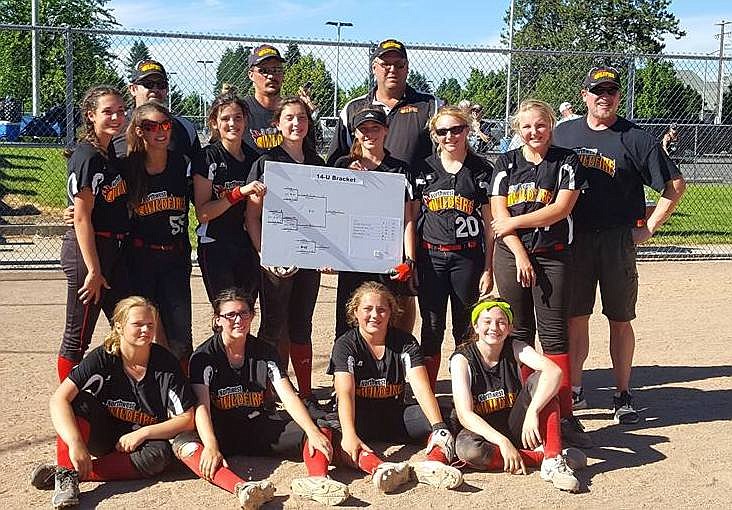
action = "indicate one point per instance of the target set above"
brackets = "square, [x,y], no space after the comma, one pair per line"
[37,122]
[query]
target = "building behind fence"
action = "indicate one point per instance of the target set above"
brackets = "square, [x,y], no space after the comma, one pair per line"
[692,92]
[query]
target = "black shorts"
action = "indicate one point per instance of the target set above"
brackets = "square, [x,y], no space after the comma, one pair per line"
[606,257]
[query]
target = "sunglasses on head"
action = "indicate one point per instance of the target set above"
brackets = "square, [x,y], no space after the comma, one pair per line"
[152,126]
[153,84]
[455,130]
[610,91]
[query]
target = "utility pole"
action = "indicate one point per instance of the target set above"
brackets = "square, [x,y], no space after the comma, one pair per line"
[720,71]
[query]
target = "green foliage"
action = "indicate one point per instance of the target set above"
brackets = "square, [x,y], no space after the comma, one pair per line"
[139,51]
[660,93]
[449,91]
[488,89]
[292,54]
[233,69]
[93,63]
[353,92]
[608,25]
[310,69]
[191,105]
[419,82]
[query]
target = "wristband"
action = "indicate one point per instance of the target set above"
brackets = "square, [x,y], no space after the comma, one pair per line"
[235,195]
[440,425]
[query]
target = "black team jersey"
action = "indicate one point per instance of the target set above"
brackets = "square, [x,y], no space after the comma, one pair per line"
[87,168]
[408,138]
[380,384]
[494,389]
[619,161]
[225,172]
[390,165]
[529,187]
[279,154]
[451,202]
[161,394]
[236,394]
[162,217]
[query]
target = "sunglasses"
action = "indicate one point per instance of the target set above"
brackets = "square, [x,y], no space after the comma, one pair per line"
[388,65]
[270,71]
[232,316]
[154,84]
[455,130]
[152,126]
[610,91]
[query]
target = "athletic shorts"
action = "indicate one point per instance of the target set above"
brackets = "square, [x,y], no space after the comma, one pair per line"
[606,257]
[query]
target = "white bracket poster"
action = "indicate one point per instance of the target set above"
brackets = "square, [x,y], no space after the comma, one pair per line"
[348,220]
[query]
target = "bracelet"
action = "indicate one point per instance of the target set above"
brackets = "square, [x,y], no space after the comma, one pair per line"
[440,425]
[235,195]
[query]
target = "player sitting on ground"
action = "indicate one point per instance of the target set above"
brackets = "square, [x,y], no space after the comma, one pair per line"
[507,426]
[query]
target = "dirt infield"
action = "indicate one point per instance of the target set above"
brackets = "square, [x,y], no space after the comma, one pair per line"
[679,456]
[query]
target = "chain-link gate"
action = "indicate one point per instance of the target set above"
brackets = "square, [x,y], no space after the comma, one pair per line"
[692,92]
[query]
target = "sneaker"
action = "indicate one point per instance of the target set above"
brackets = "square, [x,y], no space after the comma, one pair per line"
[625,413]
[44,477]
[321,489]
[389,476]
[578,400]
[66,491]
[315,408]
[576,458]
[560,474]
[573,433]
[437,474]
[252,495]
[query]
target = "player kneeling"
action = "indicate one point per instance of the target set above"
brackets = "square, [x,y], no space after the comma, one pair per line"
[507,426]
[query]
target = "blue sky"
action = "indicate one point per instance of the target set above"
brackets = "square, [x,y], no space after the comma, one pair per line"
[417,21]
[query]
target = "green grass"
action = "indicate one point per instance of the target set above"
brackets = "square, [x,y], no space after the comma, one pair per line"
[704,216]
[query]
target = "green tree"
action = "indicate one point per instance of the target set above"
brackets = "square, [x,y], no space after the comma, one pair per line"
[93,63]
[660,94]
[488,89]
[449,91]
[233,69]
[356,91]
[419,81]
[292,54]
[175,97]
[191,106]
[139,51]
[606,25]
[310,69]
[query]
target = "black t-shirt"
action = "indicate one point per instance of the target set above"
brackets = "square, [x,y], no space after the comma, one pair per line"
[390,165]
[494,389]
[162,217]
[225,172]
[87,168]
[278,154]
[161,394]
[529,187]
[619,161]
[260,135]
[236,393]
[451,202]
[408,138]
[379,383]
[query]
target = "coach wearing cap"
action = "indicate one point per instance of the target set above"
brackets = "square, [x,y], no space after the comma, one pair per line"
[609,219]
[407,110]
[566,110]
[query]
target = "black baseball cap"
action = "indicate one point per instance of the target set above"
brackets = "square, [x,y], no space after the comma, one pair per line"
[262,53]
[145,68]
[388,45]
[369,114]
[599,75]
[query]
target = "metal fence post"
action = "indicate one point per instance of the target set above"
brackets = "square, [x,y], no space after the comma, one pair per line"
[630,98]
[69,96]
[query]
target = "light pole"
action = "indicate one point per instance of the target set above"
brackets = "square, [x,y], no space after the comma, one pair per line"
[508,71]
[338,25]
[205,86]
[720,72]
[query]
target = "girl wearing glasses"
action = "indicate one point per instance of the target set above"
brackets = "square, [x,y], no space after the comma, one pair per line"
[503,422]
[233,375]
[160,262]
[287,295]
[455,240]
[220,193]
[368,153]
[534,190]
[91,254]
[122,404]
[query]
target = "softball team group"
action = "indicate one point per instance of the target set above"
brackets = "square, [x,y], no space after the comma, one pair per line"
[126,409]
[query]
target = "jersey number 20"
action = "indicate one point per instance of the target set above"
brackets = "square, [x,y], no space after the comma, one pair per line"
[466,226]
